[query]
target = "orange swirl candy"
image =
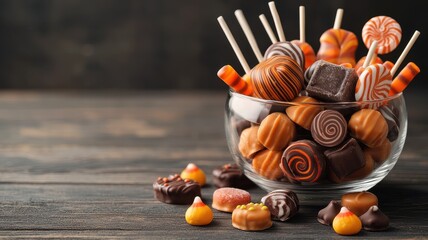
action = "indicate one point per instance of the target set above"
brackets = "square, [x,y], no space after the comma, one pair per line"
[338,46]
[363,59]
[368,126]
[404,78]
[374,83]
[277,78]
[385,30]
[308,52]
[302,161]
[229,75]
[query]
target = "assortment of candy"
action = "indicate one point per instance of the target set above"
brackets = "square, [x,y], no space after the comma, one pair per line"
[308,140]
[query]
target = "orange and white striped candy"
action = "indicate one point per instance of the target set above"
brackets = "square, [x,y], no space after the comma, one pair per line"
[404,78]
[338,46]
[385,30]
[363,59]
[374,83]
[308,52]
[229,75]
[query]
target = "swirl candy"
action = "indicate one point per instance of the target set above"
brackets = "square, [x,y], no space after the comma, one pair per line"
[283,204]
[277,78]
[286,49]
[302,161]
[232,78]
[338,46]
[329,128]
[374,83]
[383,29]
[363,59]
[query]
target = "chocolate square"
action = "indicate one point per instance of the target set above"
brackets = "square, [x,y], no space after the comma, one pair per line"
[332,83]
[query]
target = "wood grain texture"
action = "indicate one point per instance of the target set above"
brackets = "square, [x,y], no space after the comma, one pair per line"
[82,164]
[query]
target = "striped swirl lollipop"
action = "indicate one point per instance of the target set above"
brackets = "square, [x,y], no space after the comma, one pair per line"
[329,128]
[303,161]
[383,29]
[374,83]
[286,49]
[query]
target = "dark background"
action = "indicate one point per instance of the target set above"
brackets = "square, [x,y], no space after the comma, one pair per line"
[159,44]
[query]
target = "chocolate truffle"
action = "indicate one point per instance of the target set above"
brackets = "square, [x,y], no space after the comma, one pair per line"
[283,204]
[175,190]
[359,202]
[327,214]
[329,128]
[230,175]
[374,220]
[332,83]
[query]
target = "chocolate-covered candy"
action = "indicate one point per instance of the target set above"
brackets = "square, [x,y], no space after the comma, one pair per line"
[310,71]
[248,143]
[344,160]
[286,49]
[283,204]
[332,83]
[230,175]
[303,112]
[303,161]
[327,214]
[329,128]
[374,220]
[391,116]
[368,126]
[276,131]
[175,190]
[359,202]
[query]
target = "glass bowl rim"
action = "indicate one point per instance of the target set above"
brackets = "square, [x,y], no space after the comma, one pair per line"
[285,103]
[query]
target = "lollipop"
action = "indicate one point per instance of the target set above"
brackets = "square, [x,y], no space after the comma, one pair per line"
[373,83]
[307,50]
[383,29]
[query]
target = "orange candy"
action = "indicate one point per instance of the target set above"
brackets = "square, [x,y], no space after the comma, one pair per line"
[404,78]
[194,173]
[199,214]
[229,75]
[346,223]
[338,46]
[308,52]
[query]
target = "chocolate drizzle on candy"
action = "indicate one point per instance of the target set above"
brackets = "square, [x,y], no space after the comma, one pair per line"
[286,49]
[175,190]
[283,204]
[329,128]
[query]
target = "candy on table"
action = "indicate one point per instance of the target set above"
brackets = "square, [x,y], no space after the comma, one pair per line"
[381,152]
[329,128]
[226,199]
[327,214]
[266,164]
[248,144]
[229,75]
[283,204]
[198,213]
[383,29]
[374,220]
[363,172]
[346,223]
[369,127]
[289,49]
[303,112]
[230,175]
[359,202]
[404,78]
[344,160]
[391,116]
[374,83]
[194,173]
[251,217]
[331,82]
[338,45]
[276,131]
[307,50]
[303,161]
[176,190]
[277,78]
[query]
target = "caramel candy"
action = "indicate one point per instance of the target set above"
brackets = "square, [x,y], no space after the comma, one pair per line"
[368,126]
[251,217]
[381,152]
[359,202]
[266,163]
[276,131]
[303,114]
[248,143]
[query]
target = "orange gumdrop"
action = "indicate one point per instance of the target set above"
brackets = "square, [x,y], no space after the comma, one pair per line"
[199,214]
[346,223]
[194,173]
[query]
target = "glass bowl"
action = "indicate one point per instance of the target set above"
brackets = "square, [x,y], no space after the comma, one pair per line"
[316,172]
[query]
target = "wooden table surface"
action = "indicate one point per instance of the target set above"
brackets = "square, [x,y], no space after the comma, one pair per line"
[82,164]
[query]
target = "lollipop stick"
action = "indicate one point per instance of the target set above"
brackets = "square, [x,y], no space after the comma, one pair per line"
[405,52]
[249,34]
[233,43]
[338,19]
[370,54]
[268,28]
[302,23]
[277,21]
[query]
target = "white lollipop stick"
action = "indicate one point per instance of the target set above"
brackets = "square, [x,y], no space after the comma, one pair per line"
[249,34]
[302,23]
[268,29]
[405,52]
[338,19]
[277,21]
[233,43]
[370,54]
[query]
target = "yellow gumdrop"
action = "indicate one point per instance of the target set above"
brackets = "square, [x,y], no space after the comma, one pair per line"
[346,223]
[199,214]
[194,173]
